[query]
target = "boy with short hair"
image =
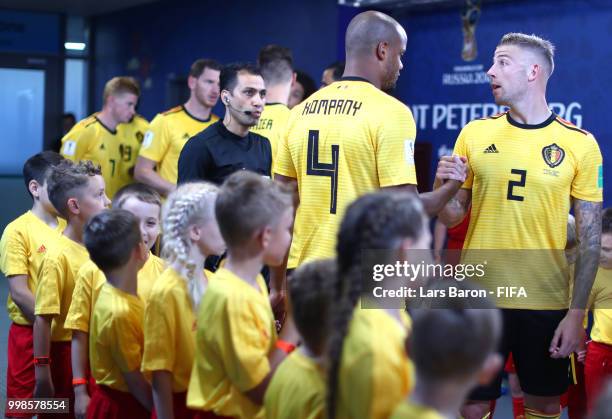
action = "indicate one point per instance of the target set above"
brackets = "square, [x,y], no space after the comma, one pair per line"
[114,242]
[142,201]
[297,390]
[237,350]
[453,347]
[22,248]
[77,192]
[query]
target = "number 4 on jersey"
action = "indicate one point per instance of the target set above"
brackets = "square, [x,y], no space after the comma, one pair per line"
[315,168]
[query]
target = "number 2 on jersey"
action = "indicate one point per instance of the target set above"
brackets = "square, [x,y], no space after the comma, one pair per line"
[514,183]
[315,168]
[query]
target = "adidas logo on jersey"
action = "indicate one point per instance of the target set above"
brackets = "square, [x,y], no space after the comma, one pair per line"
[491,149]
[42,249]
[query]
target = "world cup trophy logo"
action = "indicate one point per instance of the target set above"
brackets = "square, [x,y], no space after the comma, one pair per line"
[469,20]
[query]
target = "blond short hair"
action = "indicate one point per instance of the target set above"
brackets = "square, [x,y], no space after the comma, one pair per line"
[120,85]
[533,43]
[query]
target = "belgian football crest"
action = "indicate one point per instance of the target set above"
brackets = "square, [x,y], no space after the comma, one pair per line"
[553,155]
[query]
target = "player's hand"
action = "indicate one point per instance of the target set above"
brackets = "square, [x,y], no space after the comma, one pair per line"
[568,335]
[44,384]
[278,300]
[81,401]
[452,168]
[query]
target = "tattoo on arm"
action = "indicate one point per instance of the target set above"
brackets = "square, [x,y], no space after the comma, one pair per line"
[588,229]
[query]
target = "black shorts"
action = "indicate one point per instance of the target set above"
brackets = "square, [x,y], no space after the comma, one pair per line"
[527,334]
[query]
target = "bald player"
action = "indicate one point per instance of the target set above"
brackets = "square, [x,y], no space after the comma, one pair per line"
[276,66]
[351,138]
[527,165]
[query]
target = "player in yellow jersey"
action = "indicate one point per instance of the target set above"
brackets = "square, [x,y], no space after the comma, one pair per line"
[297,389]
[77,192]
[276,66]
[170,130]
[114,242]
[132,134]
[23,246]
[598,362]
[98,138]
[368,371]
[142,201]
[351,138]
[526,165]
[453,346]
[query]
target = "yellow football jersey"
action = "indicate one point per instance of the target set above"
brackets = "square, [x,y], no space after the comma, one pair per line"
[345,140]
[521,178]
[235,335]
[410,410]
[132,136]
[23,247]
[56,283]
[601,297]
[91,140]
[374,376]
[168,133]
[116,340]
[272,125]
[297,389]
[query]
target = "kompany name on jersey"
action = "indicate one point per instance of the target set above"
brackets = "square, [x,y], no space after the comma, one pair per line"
[332,107]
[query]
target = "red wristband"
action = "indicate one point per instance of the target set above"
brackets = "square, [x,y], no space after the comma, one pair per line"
[285,346]
[79,381]
[42,360]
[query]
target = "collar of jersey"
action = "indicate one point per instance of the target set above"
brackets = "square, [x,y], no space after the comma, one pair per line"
[105,127]
[517,124]
[224,132]
[193,117]
[355,78]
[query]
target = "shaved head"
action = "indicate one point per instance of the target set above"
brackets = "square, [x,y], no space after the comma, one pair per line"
[375,44]
[368,29]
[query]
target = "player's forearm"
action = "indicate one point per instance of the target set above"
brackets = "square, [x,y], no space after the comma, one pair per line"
[140,388]
[435,201]
[80,352]
[588,226]
[22,296]
[150,177]
[42,336]
[162,394]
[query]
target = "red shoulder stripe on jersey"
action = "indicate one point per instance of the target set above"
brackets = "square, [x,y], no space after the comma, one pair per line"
[173,110]
[570,126]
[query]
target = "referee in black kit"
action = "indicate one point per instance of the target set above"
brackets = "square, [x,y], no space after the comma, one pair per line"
[227,146]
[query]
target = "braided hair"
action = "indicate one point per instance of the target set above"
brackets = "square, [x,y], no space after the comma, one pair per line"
[191,203]
[376,221]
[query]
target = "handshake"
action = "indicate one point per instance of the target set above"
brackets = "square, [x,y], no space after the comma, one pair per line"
[452,168]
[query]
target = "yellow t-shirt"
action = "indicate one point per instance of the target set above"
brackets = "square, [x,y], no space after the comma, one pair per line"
[297,389]
[56,284]
[23,246]
[116,339]
[601,303]
[170,327]
[522,178]
[132,135]
[409,410]
[272,125]
[344,141]
[375,372]
[91,140]
[89,283]
[236,333]
[168,133]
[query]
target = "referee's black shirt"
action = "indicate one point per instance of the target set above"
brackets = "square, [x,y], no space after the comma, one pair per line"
[216,153]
